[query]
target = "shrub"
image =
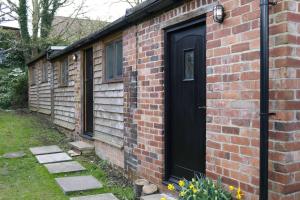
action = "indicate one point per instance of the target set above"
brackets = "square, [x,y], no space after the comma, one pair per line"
[13,88]
[203,188]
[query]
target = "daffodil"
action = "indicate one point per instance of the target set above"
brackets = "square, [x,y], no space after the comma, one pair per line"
[163,198]
[192,186]
[181,183]
[239,194]
[171,187]
[182,193]
[195,191]
[231,187]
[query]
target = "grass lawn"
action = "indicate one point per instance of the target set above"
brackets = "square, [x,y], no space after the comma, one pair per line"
[24,178]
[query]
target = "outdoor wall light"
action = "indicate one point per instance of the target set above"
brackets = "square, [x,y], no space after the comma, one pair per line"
[219,13]
[74,57]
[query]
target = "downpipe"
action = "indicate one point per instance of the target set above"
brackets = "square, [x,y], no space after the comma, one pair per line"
[264,98]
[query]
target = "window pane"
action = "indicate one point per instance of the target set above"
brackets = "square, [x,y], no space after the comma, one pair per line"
[66,72]
[109,63]
[189,65]
[119,58]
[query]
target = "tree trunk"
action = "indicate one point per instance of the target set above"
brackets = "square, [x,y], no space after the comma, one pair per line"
[35,19]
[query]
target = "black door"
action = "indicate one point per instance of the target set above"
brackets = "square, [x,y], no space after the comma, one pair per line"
[187,100]
[88,93]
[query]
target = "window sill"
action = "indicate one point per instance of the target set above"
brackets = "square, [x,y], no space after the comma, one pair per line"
[119,80]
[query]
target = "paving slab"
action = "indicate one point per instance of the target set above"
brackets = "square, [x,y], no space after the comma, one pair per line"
[18,154]
[53,158]
[107,196]
[78,183]
[63,167]
[82,146]
[45,150]
[156,197]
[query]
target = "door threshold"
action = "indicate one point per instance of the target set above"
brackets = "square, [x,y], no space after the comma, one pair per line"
[88,137]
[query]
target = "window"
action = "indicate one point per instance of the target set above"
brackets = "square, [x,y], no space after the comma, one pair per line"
[189,65]
[32,76]
[64,72]
[114,61]
[45,72]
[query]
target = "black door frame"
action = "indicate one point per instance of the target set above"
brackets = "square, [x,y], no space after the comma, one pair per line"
[167,31]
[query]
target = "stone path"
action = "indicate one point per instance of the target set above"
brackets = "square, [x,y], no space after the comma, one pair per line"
[54,159]
[63,167]
[18,154]
[107,196]
[78,183]
[45,150]
[156,197]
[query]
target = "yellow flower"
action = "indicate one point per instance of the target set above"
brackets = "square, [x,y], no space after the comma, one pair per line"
[239,194]
[238,197]
[195,191]
[231,188]
[191,186]
[163,198]
[181,183]
[182,193]
[171,187]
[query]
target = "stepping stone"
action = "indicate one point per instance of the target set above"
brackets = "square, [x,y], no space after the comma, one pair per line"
[82,146]
[63,167]
[107,196]
[156,197]
[45,150]
[78,183]
[18,154]
[53,158]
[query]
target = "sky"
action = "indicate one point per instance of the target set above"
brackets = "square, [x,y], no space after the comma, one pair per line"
[107,10]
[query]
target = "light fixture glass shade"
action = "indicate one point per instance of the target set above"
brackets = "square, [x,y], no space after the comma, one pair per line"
[74,57]
[219,13]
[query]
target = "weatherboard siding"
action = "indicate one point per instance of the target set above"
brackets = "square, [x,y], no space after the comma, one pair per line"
[64,97]
[108,104]
[40,92]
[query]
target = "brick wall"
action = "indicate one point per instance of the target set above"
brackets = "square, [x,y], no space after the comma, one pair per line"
[130,98]
[285,101]
[233,96]
[233,89]
[143,56]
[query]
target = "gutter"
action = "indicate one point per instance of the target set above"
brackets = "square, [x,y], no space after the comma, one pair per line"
[132,16]
[264,98]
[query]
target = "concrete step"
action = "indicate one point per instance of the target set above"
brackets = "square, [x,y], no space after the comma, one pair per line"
[53,158]
[64,167]
[78,183]
[107,196]
[157,197]
[83,147]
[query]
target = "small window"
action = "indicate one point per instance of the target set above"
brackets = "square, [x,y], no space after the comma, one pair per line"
[189,65]
[45,72]
[32,76]
[64,72]
[114,61]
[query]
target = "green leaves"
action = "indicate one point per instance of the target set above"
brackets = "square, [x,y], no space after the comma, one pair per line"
[203,188]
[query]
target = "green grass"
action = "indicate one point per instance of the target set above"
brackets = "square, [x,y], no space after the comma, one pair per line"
[24,178]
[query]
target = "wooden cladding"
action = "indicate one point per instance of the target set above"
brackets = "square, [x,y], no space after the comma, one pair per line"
[44,72]
[32,76]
